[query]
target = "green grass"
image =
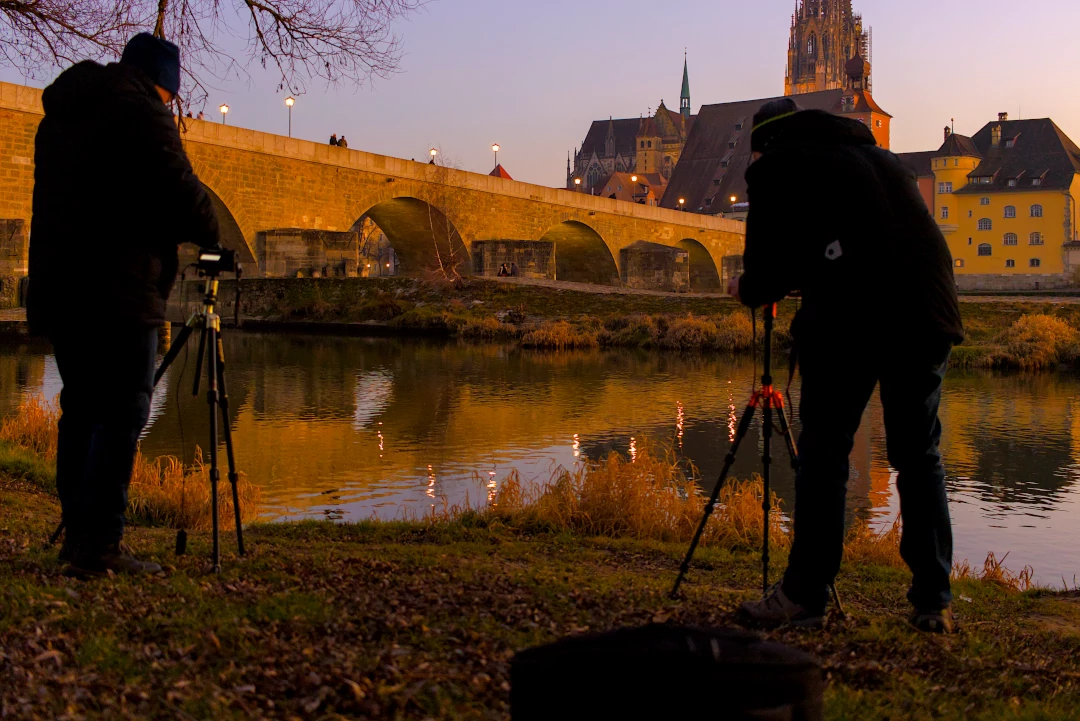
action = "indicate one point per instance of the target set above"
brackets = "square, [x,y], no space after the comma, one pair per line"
[420,620]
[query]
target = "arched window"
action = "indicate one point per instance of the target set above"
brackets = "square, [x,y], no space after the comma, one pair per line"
[1010,239]
[1036,211]
[595,174]
[1035,239]
[643,144]
[811,46]
[650,143]
[986,224]
[985,249]
[1010,211]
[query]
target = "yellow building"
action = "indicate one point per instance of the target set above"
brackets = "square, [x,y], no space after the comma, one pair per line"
[1005,200]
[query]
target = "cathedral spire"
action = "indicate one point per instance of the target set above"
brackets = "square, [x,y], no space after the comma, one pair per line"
[684,99]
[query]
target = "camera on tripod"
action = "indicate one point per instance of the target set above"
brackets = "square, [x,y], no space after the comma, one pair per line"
[213,262]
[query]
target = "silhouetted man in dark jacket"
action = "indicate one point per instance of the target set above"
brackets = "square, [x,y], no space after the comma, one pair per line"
[114,194]
[839,219]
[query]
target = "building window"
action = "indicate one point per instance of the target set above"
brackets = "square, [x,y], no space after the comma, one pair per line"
[969,241]
[1010,263]
[971,213]
[984,201]
[642,144]
[986,224]
[1036,181]
[985,249]
[708,201]
[1012,182]
[738,126]
[944,213]
[959,262]
[650,143]
[1036,211]
[1035,239]
[731,145]
[943,188]
[877,123]
[1011,143]
[1010,211]
[811,46]
[1011,239]
[1034,263]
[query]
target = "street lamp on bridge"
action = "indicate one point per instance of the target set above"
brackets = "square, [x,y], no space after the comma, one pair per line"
[224,111]
[495,149]
[577,184]
[433,152]
[682,204]
[290,101]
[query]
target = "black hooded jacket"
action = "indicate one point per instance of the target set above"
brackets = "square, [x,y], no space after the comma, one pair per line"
[114,194]
[841,220]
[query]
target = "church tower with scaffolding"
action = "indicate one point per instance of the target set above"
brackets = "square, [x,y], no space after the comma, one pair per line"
[825,35]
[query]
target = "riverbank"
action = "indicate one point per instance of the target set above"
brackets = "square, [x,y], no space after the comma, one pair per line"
[555,317]
[420,620]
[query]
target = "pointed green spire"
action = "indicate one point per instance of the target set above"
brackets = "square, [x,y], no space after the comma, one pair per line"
[684,100]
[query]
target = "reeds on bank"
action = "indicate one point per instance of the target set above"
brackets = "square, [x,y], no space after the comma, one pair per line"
[163,491]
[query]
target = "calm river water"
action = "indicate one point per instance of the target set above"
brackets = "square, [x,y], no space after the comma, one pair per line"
[354,428]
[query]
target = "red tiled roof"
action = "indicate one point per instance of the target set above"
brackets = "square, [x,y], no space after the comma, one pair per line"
[500,172]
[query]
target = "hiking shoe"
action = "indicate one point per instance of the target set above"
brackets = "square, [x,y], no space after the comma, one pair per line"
[776,609]
[115,558]
[942,621]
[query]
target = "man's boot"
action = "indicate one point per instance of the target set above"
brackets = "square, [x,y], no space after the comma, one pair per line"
[776,609]
[939,621]
[94,562]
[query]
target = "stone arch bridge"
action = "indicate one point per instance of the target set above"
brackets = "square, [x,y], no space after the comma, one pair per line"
[261,181]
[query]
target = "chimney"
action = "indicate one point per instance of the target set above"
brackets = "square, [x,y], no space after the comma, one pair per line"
[948,132]
[1002,117]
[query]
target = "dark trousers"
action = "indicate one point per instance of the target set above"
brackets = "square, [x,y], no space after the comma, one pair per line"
[108,379]
[836,386]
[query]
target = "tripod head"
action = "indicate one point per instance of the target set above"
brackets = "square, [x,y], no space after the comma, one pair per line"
[213,262]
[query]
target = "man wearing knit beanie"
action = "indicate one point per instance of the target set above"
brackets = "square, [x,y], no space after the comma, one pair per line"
[114,195]
[842,221]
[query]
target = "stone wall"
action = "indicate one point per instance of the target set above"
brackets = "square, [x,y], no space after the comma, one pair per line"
[650,266]
[1020,281]
[13,246]
[534,258]
[298,253]
[12,291]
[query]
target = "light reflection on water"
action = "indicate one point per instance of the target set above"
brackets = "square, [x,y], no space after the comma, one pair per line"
[359,428]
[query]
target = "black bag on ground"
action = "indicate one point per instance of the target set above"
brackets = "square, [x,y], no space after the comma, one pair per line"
[664,672]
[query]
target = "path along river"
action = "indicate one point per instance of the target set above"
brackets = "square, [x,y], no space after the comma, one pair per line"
[353,428]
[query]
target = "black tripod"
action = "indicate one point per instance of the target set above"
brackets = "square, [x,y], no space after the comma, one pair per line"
[768,399]
[208,322]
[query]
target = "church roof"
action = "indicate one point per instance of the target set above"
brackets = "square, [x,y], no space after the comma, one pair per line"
[625,133]
[921,163]
[685,81]
[500,172]
[710,171]
[1040,150]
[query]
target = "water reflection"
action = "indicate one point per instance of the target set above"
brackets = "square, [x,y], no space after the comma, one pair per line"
[356,428]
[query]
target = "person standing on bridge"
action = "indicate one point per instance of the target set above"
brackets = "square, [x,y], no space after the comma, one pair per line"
[342,142]
[333,139]
[880,276]
[114,195]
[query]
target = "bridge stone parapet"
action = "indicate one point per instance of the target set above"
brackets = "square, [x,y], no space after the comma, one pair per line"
[260,182]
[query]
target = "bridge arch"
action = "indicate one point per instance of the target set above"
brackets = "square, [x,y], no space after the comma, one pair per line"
[420,233]
[704,275]
[582,254]
[232,237]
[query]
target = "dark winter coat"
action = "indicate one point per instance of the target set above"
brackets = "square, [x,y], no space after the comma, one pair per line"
[841,220]
[114,194]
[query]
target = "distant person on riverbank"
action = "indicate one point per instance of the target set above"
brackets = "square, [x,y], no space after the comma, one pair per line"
[513,270]
[333,139]
[504,272]
[879,307]
[342,142]
[114,195]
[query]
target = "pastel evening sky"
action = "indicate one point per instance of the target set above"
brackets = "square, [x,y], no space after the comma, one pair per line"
[532,75]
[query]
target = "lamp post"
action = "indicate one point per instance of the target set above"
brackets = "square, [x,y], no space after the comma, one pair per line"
[224,111]
[734,199]
[495,149]
[290,101]
[682,204]
[433,152]
[577,184]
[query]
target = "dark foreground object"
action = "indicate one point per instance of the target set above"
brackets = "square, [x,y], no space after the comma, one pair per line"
[663,672]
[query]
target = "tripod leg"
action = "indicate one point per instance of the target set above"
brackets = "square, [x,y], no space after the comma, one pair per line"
[199,360]
[766,506]
[212,401]
[729,461]
[234,477]
[785,431]
[174,350]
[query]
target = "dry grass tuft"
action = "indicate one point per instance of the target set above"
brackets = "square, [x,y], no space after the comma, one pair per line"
[162,492]
[649,497]
[730,333]
[560,335]
[165,493]
[33,427]
[865,545]
[994,571]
